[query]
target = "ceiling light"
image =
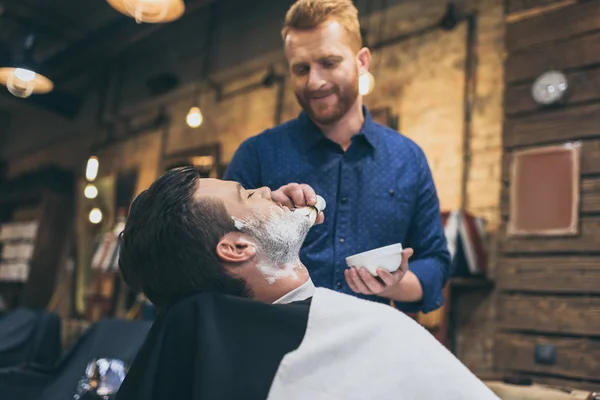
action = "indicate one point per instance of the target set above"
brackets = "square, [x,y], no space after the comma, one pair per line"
[194,117]
[22,77]
[150,11]
[366,83]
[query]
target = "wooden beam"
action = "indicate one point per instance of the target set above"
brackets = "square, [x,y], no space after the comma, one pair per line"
[574,19]
[563,274]
[575,358]
[557,126]
[44,17]
[58,102]
[584,86]
[590,159]
[105,42]
[585,241]
[578,52]
[589,204]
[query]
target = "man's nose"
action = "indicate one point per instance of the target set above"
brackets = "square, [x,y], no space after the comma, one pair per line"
[265,193]
[315,80]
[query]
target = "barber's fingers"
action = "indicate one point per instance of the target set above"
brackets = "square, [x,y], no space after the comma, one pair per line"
[373,284]
[282,196]
[309,195]
[388,278]
[406,254]
[350,281]
[357,282]
[320,218]
[295,195]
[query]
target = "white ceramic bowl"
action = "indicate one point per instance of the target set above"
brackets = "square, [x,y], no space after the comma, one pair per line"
[388,258]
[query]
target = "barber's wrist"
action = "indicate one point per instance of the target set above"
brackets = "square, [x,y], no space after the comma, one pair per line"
[408,290]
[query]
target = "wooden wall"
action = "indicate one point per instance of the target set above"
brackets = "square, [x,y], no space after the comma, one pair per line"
[550,287]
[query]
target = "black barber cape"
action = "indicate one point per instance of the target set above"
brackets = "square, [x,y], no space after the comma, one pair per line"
[334,347]
[215,347]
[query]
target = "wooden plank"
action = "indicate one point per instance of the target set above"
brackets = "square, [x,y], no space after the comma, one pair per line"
[575,19]
[584,86]
[590,197]
[585,241]
[575,358]
[513,6]
[550,314]
[553,127]
[578,52]
[590,159]
[564,274]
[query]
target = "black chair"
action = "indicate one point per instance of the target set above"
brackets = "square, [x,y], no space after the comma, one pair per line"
[29,338]
[110,338]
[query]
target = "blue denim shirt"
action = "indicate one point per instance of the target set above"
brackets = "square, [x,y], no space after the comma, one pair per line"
[378,192]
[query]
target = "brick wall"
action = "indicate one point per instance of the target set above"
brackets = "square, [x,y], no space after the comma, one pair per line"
[420,79]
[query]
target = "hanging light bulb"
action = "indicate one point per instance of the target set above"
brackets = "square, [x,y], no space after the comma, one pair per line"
[95,216]
[91,170]
[22,77]
[194,117]
[23,82]
[366,83]
[150,11]
[90,191]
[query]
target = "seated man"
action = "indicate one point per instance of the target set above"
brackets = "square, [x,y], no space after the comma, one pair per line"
[240,318]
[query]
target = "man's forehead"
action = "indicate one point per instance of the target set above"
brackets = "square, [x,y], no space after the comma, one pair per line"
[216,187]
[328,37]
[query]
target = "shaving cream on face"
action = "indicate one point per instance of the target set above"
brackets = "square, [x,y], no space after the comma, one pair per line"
[311,212]
[278,238]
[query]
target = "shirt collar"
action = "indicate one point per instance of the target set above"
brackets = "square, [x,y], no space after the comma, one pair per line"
[310,135]
[302,292]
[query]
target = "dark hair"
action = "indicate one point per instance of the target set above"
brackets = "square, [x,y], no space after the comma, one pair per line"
[168,246]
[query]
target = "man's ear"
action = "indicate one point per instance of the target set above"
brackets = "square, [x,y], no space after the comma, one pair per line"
[235,248]
[363,59]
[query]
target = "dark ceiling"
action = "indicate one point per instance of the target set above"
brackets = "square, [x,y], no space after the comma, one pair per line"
[71,35]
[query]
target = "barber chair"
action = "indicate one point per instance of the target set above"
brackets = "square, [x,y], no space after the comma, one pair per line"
[102,354]
[29,338]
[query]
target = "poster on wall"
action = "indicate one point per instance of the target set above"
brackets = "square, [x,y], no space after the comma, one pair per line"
[544,191]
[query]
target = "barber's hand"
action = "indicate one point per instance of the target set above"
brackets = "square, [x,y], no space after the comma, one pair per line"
[294,195]
[361,281]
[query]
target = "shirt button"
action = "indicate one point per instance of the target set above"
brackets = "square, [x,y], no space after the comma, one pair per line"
[392,192]
[344,200]
[342,240]
[339,285]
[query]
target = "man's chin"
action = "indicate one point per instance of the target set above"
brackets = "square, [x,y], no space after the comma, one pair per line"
[325,118]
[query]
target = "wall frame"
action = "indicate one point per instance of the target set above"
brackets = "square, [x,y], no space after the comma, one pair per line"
[544,191]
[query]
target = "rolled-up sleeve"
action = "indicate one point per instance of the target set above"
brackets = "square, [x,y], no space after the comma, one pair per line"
[431,259]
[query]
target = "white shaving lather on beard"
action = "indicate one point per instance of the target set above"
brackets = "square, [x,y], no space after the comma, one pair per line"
[279,237]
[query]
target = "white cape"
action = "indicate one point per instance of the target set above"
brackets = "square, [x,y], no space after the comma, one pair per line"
[356,349]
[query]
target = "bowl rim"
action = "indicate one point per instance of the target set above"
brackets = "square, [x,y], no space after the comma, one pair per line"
[377,250]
